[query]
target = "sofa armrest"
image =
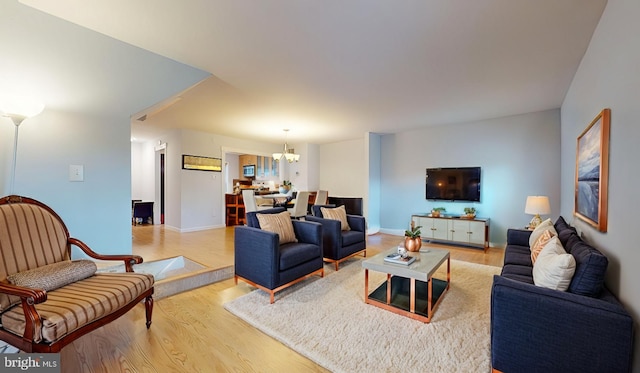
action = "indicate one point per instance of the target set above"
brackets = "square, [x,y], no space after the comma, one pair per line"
[28,298]
[535,329]
[30,295]
[518,237]
[129,260]
[308,232]
[256,254]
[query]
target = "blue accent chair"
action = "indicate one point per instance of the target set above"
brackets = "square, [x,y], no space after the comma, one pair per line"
[339,245]
[261,261]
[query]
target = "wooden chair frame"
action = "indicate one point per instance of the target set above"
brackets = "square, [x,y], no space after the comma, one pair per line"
[30,297]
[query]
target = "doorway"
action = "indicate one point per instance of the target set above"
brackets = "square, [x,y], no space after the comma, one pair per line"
[161,188]
[160,181]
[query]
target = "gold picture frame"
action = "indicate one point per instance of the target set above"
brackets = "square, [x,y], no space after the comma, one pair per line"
[592,172]
[195,162]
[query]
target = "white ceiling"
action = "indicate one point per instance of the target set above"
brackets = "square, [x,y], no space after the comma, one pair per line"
[332,70]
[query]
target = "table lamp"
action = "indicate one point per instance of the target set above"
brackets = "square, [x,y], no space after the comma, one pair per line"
[537,205]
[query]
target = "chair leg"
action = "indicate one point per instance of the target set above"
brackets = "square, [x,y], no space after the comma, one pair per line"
[148,307]
[336,263]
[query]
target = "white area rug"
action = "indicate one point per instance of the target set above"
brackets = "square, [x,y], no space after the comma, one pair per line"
[326,320]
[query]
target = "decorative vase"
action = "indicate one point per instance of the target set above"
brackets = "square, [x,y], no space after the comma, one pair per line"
[284,189]
[412,244]
[435,213]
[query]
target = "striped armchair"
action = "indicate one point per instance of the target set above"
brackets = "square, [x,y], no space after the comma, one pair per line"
[46,300]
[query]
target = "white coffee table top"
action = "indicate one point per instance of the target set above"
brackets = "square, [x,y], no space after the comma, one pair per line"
[426,263]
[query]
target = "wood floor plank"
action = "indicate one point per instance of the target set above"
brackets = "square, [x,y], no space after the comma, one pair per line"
[191,331]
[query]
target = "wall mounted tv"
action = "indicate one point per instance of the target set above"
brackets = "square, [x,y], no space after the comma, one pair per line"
[453,184]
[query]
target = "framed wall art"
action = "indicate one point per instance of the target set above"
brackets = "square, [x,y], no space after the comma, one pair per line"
[194,162]
[592,172]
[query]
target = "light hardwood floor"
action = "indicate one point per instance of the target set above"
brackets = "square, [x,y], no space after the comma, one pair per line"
[191,331]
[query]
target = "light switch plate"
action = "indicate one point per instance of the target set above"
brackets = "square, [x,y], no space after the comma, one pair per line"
[76,172]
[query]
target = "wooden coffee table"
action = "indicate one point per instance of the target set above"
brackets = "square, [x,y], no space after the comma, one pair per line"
[410,290]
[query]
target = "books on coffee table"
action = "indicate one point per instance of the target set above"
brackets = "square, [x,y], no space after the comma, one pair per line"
[398,259]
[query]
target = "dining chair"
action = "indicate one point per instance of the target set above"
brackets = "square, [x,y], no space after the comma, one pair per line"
[321,197]
[299,209]
[250,204]
[249,200]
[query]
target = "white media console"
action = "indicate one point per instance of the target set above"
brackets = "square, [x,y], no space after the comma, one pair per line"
[454,229]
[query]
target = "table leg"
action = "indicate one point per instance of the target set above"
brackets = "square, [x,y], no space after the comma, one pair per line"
[388,288]
[448,272]
[412,296]
[429,298]
[366,285]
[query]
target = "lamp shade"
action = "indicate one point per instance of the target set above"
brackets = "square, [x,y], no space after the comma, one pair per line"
[288,154]
[20,106]
[537,205]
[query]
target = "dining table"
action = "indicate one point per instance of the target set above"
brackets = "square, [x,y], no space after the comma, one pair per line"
[275,200]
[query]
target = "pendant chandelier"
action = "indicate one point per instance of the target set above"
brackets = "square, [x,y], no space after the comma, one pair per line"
[287,153]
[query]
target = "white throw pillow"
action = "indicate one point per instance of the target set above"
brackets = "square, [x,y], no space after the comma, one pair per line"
[545,225]
[554,268]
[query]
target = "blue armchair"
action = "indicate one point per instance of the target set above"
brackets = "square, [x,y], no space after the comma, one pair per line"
[339,245]
[263,262]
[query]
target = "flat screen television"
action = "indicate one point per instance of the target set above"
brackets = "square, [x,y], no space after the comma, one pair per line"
[453,184]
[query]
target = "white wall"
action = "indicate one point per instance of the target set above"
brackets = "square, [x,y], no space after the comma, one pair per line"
[304,173]
[518,156]
[313,167]
[373,196]
[233,168]
[194,200]
[95,209]
[201,192]
[609,76]
[91,84]
[343,168]
[143,171]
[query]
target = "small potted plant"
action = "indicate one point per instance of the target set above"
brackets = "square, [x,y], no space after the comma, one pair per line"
[470,212]
[412,239]
[437,211]
[285,187]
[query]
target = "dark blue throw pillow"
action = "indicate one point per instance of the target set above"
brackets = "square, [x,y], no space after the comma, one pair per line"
[565,231]
[591,266]
[561,224]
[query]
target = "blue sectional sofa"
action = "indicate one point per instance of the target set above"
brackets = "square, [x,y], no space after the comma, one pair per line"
[536,329]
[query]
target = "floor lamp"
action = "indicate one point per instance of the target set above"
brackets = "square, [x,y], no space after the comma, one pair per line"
[18,111]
